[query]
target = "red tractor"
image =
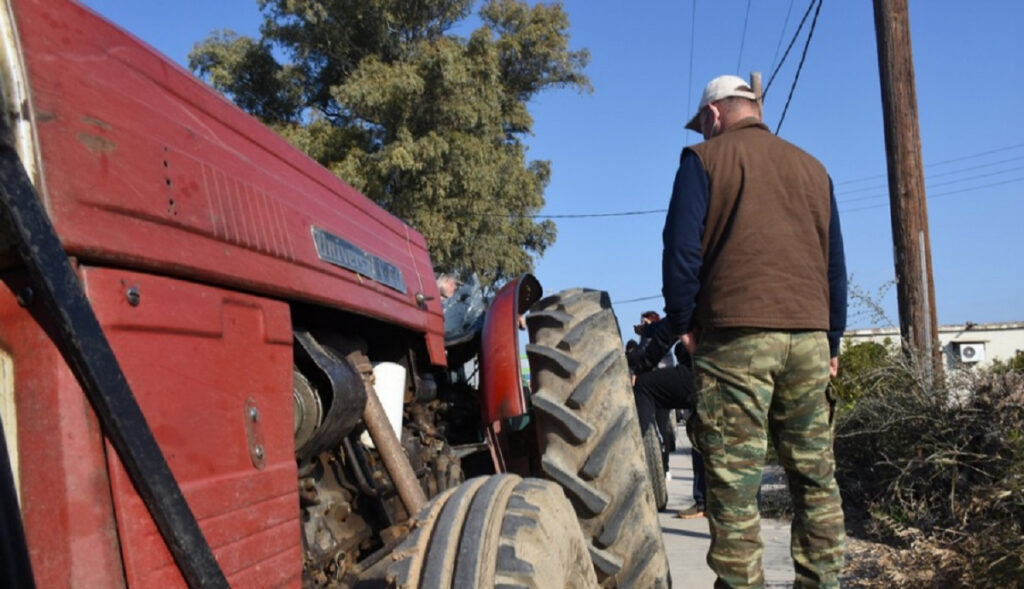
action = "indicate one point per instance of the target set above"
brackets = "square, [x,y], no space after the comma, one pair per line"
[219,364]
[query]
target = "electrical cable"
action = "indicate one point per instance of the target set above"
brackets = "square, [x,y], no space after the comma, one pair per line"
[574,216]
[931,185]
[689,81]
[593,215]
[866,208]
[636,300]
[799,67]
[977,167]
[782,33]
[843,201]
[743,37]
[929,178]
[941,194]
[786,54]
[941,163]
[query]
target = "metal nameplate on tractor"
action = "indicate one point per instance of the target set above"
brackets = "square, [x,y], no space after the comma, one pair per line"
[335,250]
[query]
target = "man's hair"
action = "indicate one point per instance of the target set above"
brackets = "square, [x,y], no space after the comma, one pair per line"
[737,101]
[652,315]
[734,103]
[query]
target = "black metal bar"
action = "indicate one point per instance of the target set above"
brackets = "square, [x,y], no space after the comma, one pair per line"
[90,357]
[15,568]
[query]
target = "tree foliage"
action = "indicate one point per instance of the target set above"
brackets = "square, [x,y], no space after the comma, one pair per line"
[428,124]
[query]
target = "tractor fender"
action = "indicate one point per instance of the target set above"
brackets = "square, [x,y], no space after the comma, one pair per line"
[502,395]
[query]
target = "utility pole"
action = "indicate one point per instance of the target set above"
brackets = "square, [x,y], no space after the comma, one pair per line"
[915,288]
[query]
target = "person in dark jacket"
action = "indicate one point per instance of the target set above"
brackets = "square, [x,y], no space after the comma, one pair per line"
[754,280]
[665,386]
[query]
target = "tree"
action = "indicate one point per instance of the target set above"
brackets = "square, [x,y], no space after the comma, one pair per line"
[428,124]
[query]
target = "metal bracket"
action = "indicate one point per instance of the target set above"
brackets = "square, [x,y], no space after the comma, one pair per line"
[254,434]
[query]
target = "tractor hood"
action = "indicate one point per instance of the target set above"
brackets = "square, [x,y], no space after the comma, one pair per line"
[143,166]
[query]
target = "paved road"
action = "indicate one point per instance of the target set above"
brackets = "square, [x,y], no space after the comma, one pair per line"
[686,540]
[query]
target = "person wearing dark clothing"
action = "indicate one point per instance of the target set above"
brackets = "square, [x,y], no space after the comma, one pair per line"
[754,280]
[663,416]
[666,388]
[660,388]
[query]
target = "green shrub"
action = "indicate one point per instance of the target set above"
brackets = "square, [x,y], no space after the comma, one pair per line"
[1014,365]
[869,367]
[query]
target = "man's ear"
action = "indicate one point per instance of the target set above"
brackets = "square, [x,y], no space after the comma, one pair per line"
[716,119]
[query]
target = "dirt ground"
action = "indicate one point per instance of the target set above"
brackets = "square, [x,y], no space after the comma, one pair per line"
[872,565]
[869,564]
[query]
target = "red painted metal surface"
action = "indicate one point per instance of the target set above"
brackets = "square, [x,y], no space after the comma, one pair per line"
[194,356]
[65,490]
[501,382]
[144,166]
[501,386]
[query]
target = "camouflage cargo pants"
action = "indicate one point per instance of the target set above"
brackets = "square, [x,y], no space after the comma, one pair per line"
[750,382]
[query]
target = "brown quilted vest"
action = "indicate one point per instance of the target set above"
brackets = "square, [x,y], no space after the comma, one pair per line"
[765,244]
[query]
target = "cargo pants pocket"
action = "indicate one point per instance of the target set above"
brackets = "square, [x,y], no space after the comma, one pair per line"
[707,423]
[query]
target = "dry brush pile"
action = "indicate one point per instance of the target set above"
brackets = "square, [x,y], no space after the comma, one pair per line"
[937,473]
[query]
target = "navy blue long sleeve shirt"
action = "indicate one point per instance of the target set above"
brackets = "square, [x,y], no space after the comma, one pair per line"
[682,258]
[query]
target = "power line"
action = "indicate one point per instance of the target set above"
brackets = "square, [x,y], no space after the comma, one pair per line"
[929,180]
[938,175]
[979,154]
[933,185]
[941,194]
[838,201]
[978,167]
[592,215]
[975,177]
[792,88]
[971,189]
[782,35]
[743,37]
[636,300]
[843,201]
[941,163]
[796,35]
[689,81]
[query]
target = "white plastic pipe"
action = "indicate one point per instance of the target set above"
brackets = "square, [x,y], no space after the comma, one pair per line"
[389,380]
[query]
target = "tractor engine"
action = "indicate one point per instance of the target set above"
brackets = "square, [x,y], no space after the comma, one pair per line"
[349,504]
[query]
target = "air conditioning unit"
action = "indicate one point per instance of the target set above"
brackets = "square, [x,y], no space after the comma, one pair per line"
[971,353]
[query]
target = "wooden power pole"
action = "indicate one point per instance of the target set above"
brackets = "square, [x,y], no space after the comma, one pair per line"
[915,288]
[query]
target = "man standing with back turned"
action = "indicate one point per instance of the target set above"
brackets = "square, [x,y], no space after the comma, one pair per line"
[754,280]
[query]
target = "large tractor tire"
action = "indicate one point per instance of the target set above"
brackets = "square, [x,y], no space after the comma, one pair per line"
[494,531]
[655,465]
[590,438]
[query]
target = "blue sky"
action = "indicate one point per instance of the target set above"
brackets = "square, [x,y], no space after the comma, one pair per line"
[616,150]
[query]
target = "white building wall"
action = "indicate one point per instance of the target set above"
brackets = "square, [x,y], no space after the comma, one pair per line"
[969,344]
